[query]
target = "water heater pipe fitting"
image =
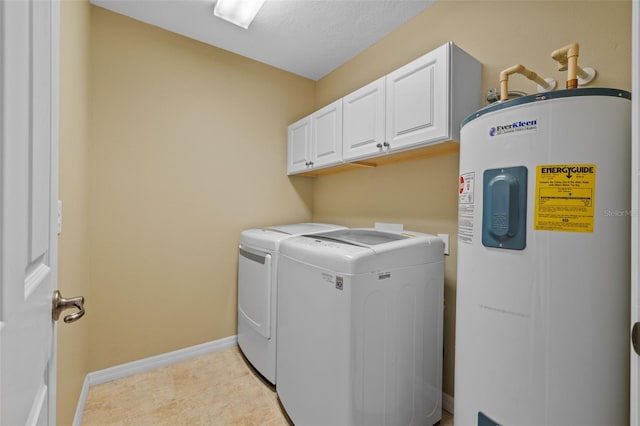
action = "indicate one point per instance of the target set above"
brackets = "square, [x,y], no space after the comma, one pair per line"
[544,84]
[567,58]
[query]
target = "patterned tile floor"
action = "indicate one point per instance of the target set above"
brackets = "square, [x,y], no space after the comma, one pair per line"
[213,389]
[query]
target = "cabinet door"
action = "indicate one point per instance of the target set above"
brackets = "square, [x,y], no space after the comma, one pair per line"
[299,139]
[326,126]
[418,101]
[363,127]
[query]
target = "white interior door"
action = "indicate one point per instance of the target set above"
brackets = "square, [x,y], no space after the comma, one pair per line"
[635,220]
[28,207]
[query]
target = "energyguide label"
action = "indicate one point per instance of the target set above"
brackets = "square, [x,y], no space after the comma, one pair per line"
[565,197]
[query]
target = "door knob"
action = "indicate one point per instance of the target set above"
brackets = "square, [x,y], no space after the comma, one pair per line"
[61,304]
[635,337]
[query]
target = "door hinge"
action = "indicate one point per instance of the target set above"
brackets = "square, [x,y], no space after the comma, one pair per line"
[59,221]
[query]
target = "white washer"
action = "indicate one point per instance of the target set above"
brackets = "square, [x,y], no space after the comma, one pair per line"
[257,290]
[360,328]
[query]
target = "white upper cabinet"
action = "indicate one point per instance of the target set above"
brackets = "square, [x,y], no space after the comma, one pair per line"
[316,140]
[363,131]
[326,128]
[299,154]
[428,98]
[417,108]
[417,101]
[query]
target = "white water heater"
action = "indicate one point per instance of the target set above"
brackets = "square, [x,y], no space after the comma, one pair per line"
[542,314]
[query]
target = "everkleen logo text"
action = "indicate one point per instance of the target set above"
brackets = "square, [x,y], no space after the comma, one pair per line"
[568,171]
[516,126]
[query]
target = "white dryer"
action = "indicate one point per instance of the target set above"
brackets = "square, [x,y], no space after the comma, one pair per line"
[360,328]
[257,290]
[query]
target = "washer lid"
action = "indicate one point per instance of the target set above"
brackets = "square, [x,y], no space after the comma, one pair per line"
[303,228]
[362,237]
[357,251]
[269,238]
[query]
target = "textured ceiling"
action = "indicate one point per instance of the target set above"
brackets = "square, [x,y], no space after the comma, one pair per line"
[310,38]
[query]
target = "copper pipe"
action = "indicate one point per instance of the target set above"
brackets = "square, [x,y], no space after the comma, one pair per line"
[567,58]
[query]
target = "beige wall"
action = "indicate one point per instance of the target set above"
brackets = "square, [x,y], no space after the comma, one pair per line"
[422,194]
[500,34]
[188,147]
[73,278]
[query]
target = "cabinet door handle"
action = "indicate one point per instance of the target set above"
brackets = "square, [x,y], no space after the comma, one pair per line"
[310,163]
[386,144]
[379,146]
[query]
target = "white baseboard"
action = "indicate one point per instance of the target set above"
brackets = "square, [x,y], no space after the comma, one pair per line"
[447,403]
[82,400]
[140,366]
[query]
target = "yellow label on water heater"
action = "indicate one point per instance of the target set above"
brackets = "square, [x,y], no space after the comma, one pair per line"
[565,197]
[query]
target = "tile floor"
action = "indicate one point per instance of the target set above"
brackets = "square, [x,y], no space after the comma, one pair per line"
[219,388]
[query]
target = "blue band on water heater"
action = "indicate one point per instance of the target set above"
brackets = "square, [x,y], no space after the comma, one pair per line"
[547,96]
[504,208]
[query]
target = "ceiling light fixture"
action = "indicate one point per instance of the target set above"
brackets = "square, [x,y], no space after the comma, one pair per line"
[238,12]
